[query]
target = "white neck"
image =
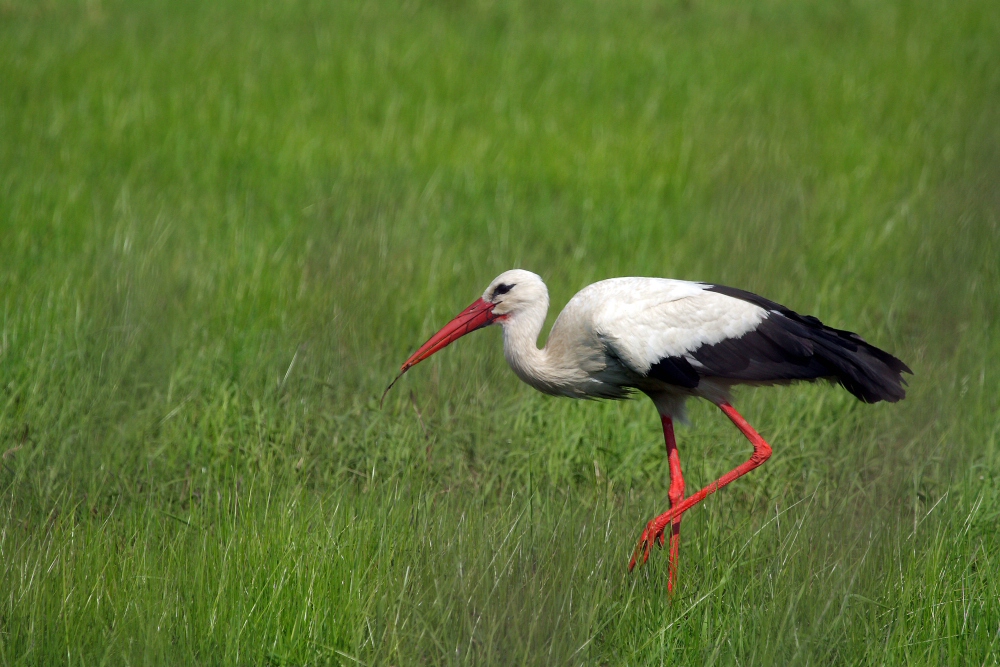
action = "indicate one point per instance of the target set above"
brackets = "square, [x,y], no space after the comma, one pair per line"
[520,346]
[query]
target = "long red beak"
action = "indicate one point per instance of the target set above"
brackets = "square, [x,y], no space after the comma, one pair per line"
[476,316]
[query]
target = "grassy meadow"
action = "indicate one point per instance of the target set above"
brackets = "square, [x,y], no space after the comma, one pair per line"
[223,226]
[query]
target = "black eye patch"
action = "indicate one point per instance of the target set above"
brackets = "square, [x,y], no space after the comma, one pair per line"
[502,289]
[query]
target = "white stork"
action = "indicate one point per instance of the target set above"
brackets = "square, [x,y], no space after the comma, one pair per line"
[671,340]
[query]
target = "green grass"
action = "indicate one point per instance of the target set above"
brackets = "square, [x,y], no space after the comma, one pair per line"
[224,225]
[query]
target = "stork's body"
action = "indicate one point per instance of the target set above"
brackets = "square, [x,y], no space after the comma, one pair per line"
[671,340]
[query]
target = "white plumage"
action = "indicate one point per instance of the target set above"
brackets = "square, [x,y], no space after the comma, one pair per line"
[646,319]
[612,332]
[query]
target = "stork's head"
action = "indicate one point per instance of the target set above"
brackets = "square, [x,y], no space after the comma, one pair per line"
[514,291]
[510,294]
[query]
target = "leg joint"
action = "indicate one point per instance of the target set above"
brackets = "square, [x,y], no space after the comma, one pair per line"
[761,452]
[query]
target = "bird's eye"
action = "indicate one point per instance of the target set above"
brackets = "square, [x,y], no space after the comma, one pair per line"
[502,289]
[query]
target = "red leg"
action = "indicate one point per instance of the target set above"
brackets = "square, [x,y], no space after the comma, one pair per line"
[676,495]
[761,453]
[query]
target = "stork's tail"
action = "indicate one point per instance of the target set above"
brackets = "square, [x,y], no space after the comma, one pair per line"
[866,371]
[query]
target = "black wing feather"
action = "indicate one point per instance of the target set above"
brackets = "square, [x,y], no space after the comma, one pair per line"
[788,346]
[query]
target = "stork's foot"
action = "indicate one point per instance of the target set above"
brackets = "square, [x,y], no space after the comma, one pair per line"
[653,534]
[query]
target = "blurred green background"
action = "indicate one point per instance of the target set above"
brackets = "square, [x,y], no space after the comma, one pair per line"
[223,225]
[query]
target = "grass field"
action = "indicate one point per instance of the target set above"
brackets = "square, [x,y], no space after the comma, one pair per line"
[223,226]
